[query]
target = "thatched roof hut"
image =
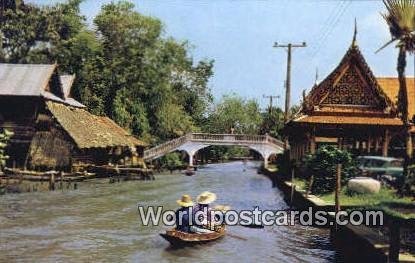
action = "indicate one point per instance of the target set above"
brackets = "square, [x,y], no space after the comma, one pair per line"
[53,130]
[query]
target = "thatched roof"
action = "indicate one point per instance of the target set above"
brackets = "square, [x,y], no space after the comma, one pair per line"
[91,131]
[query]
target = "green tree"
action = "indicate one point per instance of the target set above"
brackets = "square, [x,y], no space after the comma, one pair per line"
[124,67]
[272,122]
[33,34]
[400,18]
[156,73]
[171,161]
[234,112]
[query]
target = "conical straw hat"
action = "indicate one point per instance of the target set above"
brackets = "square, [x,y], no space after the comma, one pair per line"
[185,201]
[206,198]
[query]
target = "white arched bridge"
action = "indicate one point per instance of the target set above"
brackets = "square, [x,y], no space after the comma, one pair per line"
[193,142]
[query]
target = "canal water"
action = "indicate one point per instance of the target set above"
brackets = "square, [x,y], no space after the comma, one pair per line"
[99,222]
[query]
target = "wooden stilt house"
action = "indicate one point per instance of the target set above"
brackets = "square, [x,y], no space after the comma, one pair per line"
[51,129]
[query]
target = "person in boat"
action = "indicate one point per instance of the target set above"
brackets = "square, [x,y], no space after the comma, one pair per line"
[184,214]
[204,222]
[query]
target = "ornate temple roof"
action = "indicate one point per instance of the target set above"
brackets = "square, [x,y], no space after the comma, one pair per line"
[351,85]
[351,94]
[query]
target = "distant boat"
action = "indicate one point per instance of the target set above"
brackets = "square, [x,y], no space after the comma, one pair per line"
[189,172]
[180,239]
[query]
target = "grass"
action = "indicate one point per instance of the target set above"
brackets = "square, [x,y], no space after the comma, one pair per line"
[300,184]
[386,199]
[272,168]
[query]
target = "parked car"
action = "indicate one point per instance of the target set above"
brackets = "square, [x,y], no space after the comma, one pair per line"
[386,169]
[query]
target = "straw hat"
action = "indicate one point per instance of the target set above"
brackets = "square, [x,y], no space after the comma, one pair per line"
[186,201]
[206,198]
[222,208]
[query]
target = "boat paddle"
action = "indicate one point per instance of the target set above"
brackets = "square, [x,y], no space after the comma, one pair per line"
[236,236]
[253,225]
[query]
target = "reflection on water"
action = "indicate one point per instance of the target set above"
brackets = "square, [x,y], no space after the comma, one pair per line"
[99,222]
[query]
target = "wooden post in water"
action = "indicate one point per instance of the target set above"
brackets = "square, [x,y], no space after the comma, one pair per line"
[52,182]
[337,191]
[292,188]
[310,185]
[61,180]
[394,241]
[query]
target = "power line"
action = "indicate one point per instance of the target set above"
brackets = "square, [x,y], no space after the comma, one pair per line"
[289,47]
[326,25]
[270,97]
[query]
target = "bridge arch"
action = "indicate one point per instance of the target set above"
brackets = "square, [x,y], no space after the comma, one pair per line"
[193,142]
[192,148]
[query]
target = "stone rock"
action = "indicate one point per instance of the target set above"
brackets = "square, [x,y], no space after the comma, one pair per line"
[364,185]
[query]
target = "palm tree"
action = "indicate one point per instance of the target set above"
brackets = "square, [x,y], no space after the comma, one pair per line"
[400,18]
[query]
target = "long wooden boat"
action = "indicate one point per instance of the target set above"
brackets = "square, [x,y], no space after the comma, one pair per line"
[180,239]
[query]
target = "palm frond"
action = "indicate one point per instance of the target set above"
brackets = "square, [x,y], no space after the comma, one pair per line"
[400,18]
[385,45]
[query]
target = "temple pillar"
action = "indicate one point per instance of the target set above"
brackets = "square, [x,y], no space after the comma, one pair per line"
[312,144]
[340,143]
[369,144]
[385,143]
[377,144]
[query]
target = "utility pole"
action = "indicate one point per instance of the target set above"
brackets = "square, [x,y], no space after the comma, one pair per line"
[270,101]
[289,47]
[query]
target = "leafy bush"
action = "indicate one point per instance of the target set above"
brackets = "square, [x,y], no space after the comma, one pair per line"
[285,165]
[322,165]
[4,138]
[410,181]
[171,161]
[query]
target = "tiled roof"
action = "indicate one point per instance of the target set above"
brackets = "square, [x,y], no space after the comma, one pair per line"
[352,57]
[91,131]
[390,86]
[315,112]
[352,120]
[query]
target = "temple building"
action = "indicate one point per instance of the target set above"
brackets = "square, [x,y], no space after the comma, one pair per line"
[353,109]
[51,129]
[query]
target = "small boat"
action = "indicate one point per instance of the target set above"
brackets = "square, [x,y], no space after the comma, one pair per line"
[181,239]
[189,172]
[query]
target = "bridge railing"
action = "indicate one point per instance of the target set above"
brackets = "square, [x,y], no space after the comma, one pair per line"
[274,141]
[165,147]
[228,137]
[206,138]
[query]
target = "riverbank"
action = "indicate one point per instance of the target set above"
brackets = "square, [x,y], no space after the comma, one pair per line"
[23,181]
[371,244]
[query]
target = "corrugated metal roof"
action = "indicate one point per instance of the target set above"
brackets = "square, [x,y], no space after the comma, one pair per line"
[67,81]
[68,101]
[32,80]
[24,79]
